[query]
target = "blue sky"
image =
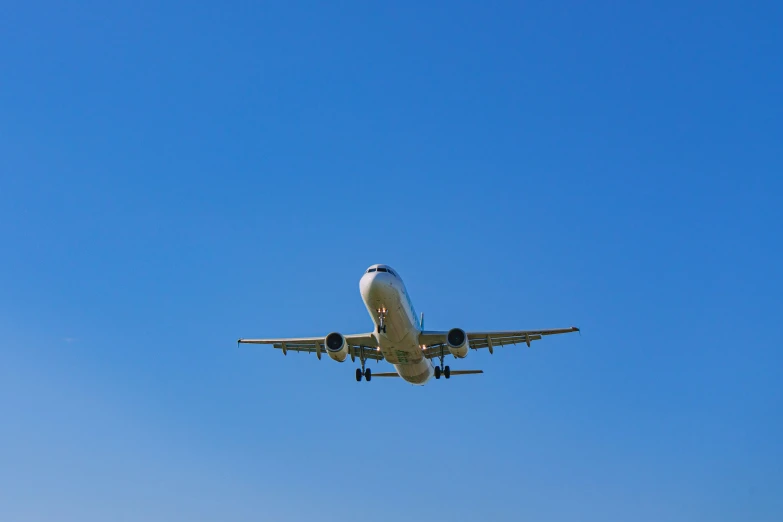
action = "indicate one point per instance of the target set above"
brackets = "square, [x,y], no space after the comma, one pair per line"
[175,177]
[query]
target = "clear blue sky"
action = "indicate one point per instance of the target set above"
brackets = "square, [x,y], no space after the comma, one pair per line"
[173,178]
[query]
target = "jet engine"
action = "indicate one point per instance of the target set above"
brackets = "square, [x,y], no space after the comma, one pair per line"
[458,342]
[336,347]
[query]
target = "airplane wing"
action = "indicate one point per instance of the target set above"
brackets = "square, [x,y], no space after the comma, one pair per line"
[359,344]
[436,344]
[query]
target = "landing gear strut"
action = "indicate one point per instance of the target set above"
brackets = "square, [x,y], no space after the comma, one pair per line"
[442,370]
[381,320]
[366,372]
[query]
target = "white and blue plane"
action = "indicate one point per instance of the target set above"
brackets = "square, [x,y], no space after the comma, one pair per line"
[399,336]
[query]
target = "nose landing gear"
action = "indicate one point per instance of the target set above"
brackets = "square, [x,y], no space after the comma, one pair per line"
[381,320]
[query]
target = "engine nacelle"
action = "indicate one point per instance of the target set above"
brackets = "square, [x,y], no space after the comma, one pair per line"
[457,340]
[336,347]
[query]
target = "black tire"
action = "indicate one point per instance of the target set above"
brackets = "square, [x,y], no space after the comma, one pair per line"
[368,374]
[384,328]
[379,328]
[437,372]
[358,375]
[447,372]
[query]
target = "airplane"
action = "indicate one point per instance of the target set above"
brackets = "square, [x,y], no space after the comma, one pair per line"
[399,336]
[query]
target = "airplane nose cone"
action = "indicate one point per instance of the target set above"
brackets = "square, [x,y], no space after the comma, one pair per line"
[366,285]
[373,286]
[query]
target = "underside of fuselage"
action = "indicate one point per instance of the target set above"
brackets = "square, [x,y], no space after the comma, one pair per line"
[396,327]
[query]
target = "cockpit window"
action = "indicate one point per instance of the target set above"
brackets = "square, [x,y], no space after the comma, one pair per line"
[392,273]
[371,270]
[381,270]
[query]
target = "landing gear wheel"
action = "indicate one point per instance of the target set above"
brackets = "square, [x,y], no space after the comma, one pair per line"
[384,328]
[367,374]
[446,372]
[358,375]
[437,372]
[379,328]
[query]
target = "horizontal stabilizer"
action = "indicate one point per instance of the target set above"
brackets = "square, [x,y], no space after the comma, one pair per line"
[453,372]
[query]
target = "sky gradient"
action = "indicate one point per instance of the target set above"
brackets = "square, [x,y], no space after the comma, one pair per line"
[175,177]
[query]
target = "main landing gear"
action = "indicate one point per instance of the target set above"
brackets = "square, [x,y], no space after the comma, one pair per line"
[381,320]
[446,372]
[366,372]
[442,370]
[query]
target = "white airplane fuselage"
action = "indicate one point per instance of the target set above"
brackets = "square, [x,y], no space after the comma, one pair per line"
[399,340]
